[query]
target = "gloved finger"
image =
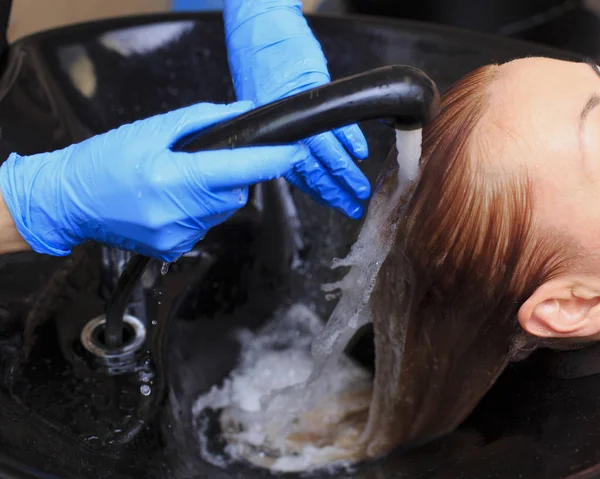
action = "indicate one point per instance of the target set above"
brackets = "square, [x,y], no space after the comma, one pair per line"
[338,162]
[228,169]
[208,223]
[195,117]
[300,183]
[353,140]
[229,202]
[312,178]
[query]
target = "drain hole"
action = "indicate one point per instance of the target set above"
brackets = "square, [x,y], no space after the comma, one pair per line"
[99,338]
[94,341]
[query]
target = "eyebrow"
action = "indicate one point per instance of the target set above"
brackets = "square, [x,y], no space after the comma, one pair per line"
[593,100]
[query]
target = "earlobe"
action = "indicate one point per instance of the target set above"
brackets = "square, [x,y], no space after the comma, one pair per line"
[562,309]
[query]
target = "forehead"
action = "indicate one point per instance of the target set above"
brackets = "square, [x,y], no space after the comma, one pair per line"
[534,124]
[545,74]
[535,109]
[542,93]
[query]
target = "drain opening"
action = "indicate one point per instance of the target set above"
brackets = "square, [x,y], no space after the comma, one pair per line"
[98,335]
[114,360]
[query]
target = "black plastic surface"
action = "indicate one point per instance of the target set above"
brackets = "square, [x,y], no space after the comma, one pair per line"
[401,94]
[54,414]
[567,24]
[488,16]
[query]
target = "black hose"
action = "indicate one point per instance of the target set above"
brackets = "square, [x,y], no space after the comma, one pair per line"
[115,310]
[404,96]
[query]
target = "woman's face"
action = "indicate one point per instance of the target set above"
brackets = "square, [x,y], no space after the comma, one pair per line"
[544,117]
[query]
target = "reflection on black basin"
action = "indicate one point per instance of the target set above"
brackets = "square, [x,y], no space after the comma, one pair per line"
[59,416]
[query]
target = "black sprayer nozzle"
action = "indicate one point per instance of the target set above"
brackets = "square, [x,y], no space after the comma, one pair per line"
[403,96]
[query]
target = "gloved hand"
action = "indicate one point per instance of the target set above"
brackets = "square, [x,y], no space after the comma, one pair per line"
[127,189]
[273,54]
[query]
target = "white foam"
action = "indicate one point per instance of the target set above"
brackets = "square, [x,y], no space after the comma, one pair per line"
[263,397]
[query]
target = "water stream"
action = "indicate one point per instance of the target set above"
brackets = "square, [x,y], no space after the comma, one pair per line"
[296,402]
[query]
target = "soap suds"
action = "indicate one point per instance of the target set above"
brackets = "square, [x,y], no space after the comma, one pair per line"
[265,417]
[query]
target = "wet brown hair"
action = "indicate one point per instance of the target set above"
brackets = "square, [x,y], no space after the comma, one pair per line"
[467,254]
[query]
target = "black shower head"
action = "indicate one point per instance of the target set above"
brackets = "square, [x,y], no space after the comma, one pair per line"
[403,96]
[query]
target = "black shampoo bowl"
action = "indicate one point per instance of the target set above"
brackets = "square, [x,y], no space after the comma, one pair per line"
[65,416]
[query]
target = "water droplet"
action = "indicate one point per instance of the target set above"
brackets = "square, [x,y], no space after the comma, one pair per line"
[145,390]
[139,195]
[164,269]
[154,322]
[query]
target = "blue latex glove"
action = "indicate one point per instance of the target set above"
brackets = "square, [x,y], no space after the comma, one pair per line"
[273,54]
[127,189]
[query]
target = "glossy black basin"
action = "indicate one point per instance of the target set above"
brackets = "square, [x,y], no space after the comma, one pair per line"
[58,416]
[566,24]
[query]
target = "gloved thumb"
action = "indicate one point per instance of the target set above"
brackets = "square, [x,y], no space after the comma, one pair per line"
[226,169]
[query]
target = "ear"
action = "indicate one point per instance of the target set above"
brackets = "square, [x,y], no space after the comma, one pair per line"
[563,308]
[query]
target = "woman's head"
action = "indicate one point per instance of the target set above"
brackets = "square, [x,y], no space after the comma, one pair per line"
[502,228]
[544,120]
[509,199]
